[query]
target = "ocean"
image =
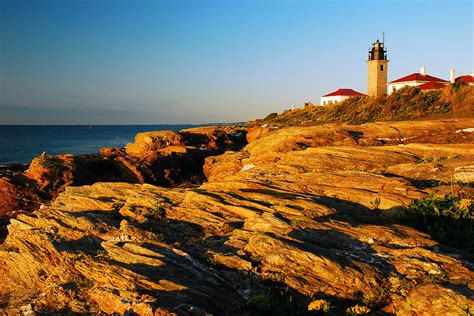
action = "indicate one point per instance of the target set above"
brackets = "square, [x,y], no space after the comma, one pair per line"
[21,143]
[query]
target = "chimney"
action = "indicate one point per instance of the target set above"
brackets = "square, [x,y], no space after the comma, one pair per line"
[423,71]
[451,75]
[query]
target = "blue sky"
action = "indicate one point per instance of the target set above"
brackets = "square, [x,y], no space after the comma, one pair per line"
[147,62]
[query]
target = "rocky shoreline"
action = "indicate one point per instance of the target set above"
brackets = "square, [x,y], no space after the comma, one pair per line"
[230,221]
[11,168]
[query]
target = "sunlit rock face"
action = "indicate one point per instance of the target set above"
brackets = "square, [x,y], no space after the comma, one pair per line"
[299,213]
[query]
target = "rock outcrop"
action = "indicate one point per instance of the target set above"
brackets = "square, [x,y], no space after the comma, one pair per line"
[298,214]
[164,158]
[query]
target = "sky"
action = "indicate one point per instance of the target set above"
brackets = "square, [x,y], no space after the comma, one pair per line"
[192,61]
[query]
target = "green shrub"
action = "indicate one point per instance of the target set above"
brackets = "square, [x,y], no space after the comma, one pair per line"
[447,219]
[458,85]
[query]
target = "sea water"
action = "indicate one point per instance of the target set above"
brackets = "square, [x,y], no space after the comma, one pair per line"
[21,143]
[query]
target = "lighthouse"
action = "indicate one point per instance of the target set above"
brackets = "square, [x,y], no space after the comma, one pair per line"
[377,69]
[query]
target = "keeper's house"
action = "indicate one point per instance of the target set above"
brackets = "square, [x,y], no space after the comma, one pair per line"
[420,80]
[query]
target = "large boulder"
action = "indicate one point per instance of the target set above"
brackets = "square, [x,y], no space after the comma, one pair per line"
[153,141]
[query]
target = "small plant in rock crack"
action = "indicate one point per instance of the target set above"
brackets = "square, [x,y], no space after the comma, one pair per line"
[377,296]
[279,277]
[208,258]
[276,301]
[358,310]
[297,222]
[156,237]
[376,203]
[420,160]
[4,300]
[436,278]
[101,254]
[405,286]
[159,209]
[260,301]
[117,205]
[466,310]
[255,260]
[321,306]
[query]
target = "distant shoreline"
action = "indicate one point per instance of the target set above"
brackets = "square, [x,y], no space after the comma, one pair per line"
[11,168]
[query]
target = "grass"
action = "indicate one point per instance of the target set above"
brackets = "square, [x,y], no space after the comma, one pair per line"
[448,219]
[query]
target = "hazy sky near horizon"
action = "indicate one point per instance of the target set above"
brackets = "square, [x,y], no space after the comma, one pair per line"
[147,62]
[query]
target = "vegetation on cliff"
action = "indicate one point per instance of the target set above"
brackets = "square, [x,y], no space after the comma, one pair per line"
[409,103]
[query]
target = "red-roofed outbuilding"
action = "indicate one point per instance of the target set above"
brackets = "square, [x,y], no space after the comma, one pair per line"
[340,95]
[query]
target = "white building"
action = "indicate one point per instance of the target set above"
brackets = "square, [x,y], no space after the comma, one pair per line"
[415,80]
[339,96]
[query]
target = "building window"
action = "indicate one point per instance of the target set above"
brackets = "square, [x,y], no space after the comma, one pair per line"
[381,67]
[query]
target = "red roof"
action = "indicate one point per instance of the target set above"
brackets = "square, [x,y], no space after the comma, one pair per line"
[431,85]
[418,77]
[466,78]
[345,92]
